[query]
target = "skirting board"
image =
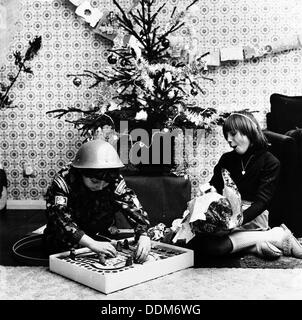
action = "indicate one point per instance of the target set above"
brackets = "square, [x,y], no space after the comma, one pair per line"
[26,204]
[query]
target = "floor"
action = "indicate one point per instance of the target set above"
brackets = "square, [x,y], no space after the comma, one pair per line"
[14,225]
[17,224]
[18,281]
[38,283]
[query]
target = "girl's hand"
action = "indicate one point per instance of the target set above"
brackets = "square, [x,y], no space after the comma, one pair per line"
[143,248]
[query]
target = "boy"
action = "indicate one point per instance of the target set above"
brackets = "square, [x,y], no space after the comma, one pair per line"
[83,201]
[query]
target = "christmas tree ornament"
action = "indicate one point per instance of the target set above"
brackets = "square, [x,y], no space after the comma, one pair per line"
[141,115]
[123,62]
[194,92]
[165,43]
[112,59]
[111,17]
[135,46]
[77,81]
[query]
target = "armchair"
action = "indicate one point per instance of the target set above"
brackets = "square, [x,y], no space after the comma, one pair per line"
[283,121]
[285,113]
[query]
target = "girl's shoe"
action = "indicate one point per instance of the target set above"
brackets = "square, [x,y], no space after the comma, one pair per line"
[291,246]
[268,251]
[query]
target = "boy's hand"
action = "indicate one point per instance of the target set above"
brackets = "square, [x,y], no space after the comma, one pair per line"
[103,247]
[143,248]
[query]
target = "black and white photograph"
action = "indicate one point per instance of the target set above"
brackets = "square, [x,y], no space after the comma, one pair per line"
[150,153]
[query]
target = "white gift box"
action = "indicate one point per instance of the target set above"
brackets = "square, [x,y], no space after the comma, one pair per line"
[231,53]
[88,13]
[77,2]
[288,43]
[213,58]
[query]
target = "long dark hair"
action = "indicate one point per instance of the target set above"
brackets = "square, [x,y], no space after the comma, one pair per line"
[247,125]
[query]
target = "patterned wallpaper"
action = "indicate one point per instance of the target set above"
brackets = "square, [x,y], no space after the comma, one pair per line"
[30,137]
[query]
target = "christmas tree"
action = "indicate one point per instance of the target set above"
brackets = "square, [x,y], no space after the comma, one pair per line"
[154,86]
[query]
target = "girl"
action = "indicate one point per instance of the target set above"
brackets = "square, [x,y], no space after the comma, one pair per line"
[255,171]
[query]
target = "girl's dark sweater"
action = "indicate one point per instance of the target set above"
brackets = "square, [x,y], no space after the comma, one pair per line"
[259,182]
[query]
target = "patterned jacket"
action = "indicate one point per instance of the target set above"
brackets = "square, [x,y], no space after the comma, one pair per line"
[73,210]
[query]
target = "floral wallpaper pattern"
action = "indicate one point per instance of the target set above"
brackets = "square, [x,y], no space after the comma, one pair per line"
[30,137]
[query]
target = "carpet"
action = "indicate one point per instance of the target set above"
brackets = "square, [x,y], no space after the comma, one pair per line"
[38,283]
[248,261]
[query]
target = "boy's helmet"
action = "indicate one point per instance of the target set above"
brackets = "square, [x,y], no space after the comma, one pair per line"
[97,154]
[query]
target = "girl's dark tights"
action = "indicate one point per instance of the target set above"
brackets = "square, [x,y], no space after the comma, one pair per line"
[211,245]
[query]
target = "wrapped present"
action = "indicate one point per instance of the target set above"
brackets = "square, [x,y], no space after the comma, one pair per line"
[107,26]
[231,193]
[162,233]
[156,233]
[212,212]
[224,213]
[184,233]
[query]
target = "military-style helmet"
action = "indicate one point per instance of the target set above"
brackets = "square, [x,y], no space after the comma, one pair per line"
[97,154]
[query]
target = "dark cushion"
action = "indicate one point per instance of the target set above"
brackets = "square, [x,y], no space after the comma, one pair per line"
[285,113]
[284,148]
[283,206]
[296,134]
